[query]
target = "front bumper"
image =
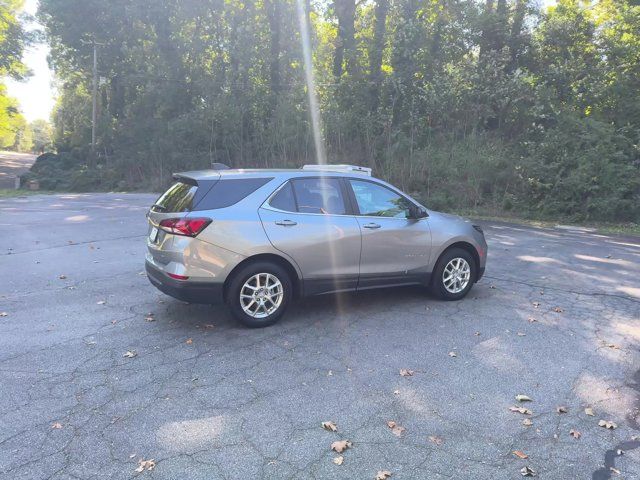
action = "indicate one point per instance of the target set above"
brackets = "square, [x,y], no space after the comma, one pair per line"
[480,273]
[200,292]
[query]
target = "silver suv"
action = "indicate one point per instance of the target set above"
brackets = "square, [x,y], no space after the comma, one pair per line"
[257,239]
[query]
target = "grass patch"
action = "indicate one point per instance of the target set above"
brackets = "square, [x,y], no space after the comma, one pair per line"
[12,193]
[600,227]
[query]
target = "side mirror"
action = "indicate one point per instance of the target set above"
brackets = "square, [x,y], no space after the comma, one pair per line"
[417,212]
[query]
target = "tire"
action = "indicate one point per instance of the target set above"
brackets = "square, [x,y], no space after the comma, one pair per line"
[445,284]
[244,282]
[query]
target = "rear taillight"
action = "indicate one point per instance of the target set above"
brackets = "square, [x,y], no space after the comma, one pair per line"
[189,227]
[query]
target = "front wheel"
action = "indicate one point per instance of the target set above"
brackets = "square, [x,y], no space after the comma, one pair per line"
[454,274]
[259,294]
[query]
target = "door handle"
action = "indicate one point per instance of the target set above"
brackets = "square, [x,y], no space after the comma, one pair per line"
[286,223]
[372,226]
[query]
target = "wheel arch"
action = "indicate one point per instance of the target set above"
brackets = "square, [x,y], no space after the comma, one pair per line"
[266,257]
[468,247]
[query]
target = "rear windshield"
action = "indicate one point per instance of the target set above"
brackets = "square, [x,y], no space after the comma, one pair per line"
[179,198]
[206,195]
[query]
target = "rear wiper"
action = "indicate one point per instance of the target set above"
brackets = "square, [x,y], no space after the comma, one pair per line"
[159,207]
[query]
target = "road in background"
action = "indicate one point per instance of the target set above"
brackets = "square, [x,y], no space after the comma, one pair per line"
[12,165]
[556,318]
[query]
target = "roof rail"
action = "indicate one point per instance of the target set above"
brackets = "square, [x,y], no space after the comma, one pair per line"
[338,168]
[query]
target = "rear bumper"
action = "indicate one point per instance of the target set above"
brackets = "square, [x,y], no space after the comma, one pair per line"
[184,290]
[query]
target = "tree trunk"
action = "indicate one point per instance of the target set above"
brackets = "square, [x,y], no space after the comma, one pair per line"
[375,52]
[487,29]
[273,12]
[515,40]
[345,42]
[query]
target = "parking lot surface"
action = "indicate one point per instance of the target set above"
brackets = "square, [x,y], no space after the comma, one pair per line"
[100,373]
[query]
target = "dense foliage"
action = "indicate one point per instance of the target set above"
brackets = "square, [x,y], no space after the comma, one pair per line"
[489,104]
[13,127]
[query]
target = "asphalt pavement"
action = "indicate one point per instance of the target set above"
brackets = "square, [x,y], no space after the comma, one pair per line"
[102,375]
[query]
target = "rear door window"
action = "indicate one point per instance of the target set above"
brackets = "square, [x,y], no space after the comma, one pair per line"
[319,195]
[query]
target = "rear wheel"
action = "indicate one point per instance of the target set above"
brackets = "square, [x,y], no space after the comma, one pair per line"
[454,274]
[259,294]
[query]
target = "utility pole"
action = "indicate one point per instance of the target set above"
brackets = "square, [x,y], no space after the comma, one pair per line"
[95,96]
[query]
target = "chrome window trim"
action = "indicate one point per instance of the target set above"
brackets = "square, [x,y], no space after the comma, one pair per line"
[267,206]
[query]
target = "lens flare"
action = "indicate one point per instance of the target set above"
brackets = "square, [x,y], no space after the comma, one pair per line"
[314,109]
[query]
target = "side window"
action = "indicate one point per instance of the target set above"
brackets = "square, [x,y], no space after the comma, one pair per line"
[319,195]
[284,199]
[378,201]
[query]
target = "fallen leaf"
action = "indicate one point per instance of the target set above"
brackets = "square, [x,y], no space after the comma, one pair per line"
[531,320]
[561,409]
[149,317]
[437,440]
[396,429]
[340,445]
[3,314]
[612,346]
[142,273]
[396,392]
[575,433]
[209,326]
[492,286]
[521,334]
[62,277]
[477,334]
[527,422]
[520,454]
[558,310]
[453,354]
[383,475]
[524,411]
[607,424]
[589,411]
[523,398]
[101,302]
[189,341]
[536,304]
[615,470]
[145,465]
[527,472]
[405,372]
[130,354]
[338,460]
[329,426]
[56,426]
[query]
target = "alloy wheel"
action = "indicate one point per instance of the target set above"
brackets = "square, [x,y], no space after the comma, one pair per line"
[456,275]
[261,295]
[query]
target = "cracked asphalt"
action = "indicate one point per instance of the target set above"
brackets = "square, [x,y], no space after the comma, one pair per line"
[207,399]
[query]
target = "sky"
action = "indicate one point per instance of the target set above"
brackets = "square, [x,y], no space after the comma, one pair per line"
[37,94]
